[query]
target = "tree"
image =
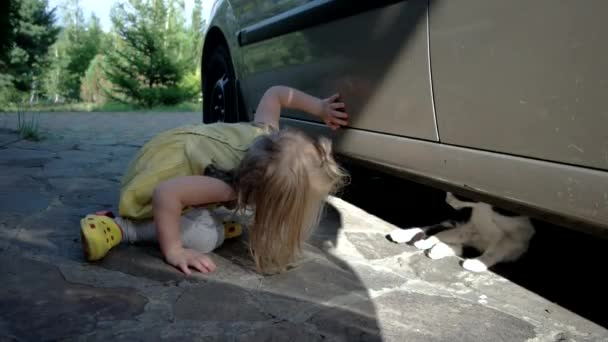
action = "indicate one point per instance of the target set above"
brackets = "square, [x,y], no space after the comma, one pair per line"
[54,76]
[83,47]
[176,35]
[8,23]
[197,24]
[71,55]
[27,29]
[94,84]
[35,32]
[84,43]
[147,64]
[194,49]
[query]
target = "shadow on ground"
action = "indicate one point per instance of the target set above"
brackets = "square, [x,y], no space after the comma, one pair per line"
[349,285]
[562,265]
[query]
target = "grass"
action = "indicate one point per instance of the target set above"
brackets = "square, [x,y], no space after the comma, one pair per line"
[123,107]
[107,107]
[28,128]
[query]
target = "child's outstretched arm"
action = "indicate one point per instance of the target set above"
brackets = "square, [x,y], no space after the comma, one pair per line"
[330,110]
[169,198]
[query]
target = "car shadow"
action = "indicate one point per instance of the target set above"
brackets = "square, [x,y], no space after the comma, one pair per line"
[560,264]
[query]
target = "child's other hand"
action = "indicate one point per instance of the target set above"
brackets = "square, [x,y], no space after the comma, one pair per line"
[184,258]
[333,112]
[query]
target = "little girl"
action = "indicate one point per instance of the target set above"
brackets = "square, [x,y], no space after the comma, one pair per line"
[283,175]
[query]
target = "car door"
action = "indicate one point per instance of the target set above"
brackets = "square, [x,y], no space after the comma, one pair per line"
[248,12]
[527,78]
[374,53]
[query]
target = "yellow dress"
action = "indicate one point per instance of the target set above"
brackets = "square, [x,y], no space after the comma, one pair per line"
[182,151]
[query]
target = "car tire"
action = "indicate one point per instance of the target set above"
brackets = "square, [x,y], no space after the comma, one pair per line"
[219,88]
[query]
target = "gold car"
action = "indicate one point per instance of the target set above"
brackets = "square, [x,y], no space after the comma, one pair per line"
[503,100]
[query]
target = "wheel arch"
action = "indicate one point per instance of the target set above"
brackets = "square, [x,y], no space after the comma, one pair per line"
[213,38]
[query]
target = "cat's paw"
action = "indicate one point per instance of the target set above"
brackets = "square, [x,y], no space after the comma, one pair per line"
[440,250]
[426,243]
[404,235]
[474,265]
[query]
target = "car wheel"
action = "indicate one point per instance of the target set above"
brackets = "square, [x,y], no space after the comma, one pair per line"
[219,88]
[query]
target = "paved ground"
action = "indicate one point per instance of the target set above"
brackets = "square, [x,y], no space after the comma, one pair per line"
[350,285]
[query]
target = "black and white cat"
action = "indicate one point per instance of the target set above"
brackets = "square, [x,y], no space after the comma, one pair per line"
[497,234]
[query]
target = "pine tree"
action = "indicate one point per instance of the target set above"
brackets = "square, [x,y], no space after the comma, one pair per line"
[71,55]
[196,34]
[176,35]
[84,46]
[193,45]
[146,65]
[8,23]
[94,83]
[34,32]
[54,76]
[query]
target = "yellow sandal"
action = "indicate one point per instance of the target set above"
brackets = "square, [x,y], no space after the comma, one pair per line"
[99,233]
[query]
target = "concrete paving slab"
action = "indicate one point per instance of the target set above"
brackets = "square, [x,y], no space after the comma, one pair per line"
[350,284]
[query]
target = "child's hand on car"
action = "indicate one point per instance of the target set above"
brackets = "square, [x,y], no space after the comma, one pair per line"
[333,112]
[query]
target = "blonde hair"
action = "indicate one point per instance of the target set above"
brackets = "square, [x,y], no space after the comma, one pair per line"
[285,176]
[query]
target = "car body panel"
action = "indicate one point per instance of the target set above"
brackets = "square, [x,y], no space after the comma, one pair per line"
[250,12]
[482,140]
[576,193]
[222,19]
[382,71]
[527,78]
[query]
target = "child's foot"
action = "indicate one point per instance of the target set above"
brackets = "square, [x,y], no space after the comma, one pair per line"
[232,229]
[99,233]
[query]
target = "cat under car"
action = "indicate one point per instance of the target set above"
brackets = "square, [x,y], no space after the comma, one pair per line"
[499,235]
